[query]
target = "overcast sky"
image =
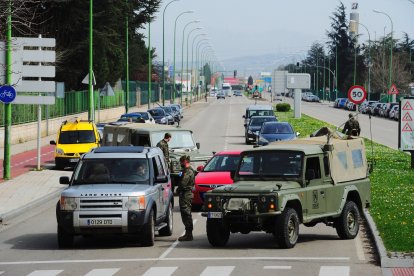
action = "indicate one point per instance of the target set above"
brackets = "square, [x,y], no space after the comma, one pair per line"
[239,28]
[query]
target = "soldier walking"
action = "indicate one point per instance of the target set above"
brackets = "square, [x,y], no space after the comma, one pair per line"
[185,193]
[163,145]
[352,126]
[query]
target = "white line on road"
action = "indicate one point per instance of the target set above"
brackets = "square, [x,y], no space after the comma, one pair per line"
[102,272]
[277,267]
[217,271]
[334,270]
[168,251]
[45,273]
[359,249]
[336,259]
[157,271]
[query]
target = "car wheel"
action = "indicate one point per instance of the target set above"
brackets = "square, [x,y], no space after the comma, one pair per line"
[59,165]
[148,233]
[168,230]
[287,228]
[218,233]
[65,240]
[347,225]
[247,141]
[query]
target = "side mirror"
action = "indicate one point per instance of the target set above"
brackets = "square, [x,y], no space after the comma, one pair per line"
[200,168]
[245,125]
[52,142]
[310,175]
[161,179]
[244,116]
[198,145]
[64,180]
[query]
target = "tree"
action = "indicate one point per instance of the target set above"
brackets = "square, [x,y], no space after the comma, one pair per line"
[207,74]
[250,80]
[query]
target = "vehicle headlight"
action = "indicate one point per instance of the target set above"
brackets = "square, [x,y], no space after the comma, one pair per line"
[59,151]
[249,131]
[163,120]
[68,203]
[135,203]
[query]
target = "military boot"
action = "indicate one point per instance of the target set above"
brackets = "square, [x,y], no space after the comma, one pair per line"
[188,236]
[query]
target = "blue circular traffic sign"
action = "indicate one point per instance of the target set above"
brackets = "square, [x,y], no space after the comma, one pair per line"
[7,93]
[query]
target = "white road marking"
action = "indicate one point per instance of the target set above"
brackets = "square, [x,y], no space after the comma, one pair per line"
[359,248]
[45,273]
[217,271]
[334,270]
[171,248]
[157,271]
[337,259]
[277,267]
[102,272]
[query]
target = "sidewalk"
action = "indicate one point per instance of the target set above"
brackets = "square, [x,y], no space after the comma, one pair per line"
[32,188]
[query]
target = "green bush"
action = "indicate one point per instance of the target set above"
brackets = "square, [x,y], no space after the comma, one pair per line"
[283,107]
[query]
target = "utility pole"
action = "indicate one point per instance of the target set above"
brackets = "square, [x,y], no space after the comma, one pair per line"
[91,110]
[149,64]
[126,60]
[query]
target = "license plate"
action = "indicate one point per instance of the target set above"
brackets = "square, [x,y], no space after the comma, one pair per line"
[97,222]
[74,160]
[215,215]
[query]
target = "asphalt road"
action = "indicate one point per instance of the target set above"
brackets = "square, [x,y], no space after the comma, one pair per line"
[28,244]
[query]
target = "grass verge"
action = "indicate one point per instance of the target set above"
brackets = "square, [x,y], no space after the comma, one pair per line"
[392,187]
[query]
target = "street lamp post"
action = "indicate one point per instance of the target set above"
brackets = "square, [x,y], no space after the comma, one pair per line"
[198,61]
[91,110]
[188,82]
[163,51]
[175,31]
[126,60]
[149,64]
[182,58]
[394,97]
[192,60]
[369,57]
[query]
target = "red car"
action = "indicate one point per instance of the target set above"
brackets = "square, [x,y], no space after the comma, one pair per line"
[216,173]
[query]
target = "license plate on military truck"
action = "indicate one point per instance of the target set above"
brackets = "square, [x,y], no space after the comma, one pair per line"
[215,215]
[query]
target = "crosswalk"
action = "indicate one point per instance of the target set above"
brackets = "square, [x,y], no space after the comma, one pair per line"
[171,270]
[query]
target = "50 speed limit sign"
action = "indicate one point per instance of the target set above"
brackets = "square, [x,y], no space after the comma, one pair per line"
[357,94]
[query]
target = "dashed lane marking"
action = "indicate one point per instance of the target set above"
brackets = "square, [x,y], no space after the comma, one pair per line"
[217,271]
[334,270]
[157,271]
[45,273]
[277,267]
[103,272]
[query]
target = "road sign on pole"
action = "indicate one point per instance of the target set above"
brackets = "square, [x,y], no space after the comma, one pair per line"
[406,125]
[357,94]
[7,94]
[393,90]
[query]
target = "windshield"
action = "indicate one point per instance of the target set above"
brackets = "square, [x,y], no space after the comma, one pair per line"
[167,109]
[271,163]
[109,171]
[251,113]
[157,112]
[226,87]
[277,129]
[144,115]
[222,163]
[260,120]
[179,139]
[77,137]
[133,118]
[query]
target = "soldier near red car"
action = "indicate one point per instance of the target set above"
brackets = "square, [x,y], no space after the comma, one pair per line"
[352,126]
[185,188]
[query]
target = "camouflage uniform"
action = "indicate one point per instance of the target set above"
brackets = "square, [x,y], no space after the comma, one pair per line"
[163,145]
[352,127]
[185,193]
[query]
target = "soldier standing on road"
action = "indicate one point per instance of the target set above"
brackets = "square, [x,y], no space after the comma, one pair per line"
[163,145]
[352,126]
[185,193]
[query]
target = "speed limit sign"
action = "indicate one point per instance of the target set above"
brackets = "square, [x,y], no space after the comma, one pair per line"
[357,94]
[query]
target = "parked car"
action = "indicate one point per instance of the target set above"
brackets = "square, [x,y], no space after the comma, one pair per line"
[313,98]
[388,107]
[221,95]
[351,106]
[367,107]
[305,95]
[117,190]
[275,131]
[179,109]
[215,173]
[340,102]
[383,110]
[395,109]
[172,113]
[253,128]
[377,108]
[397,114]
[160,116]
[137,117]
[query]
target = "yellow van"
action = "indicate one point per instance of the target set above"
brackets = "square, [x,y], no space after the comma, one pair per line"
[75,138]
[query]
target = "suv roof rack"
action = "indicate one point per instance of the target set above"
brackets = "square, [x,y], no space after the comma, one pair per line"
[120,149]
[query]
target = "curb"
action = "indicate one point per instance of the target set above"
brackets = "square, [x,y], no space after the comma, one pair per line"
[386,262]
[14,213]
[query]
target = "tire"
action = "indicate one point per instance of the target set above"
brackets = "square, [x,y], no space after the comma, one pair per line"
[59,165]
[347,225]
[287,228]
[148,233]
[65,240]
[217,233]
[168,230]
[247,141]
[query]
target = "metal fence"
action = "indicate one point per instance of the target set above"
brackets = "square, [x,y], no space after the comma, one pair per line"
[77,102]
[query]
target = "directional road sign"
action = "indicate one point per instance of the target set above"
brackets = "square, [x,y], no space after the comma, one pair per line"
[357,94]
[7,94]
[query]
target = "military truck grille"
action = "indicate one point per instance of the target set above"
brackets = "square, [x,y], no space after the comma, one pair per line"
[101,204]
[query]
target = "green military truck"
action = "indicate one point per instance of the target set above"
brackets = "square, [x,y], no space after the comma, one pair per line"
[282,185]
[136,134]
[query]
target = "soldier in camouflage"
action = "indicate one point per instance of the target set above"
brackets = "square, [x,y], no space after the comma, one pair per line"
[352,126]
[185,193]
[163,145]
